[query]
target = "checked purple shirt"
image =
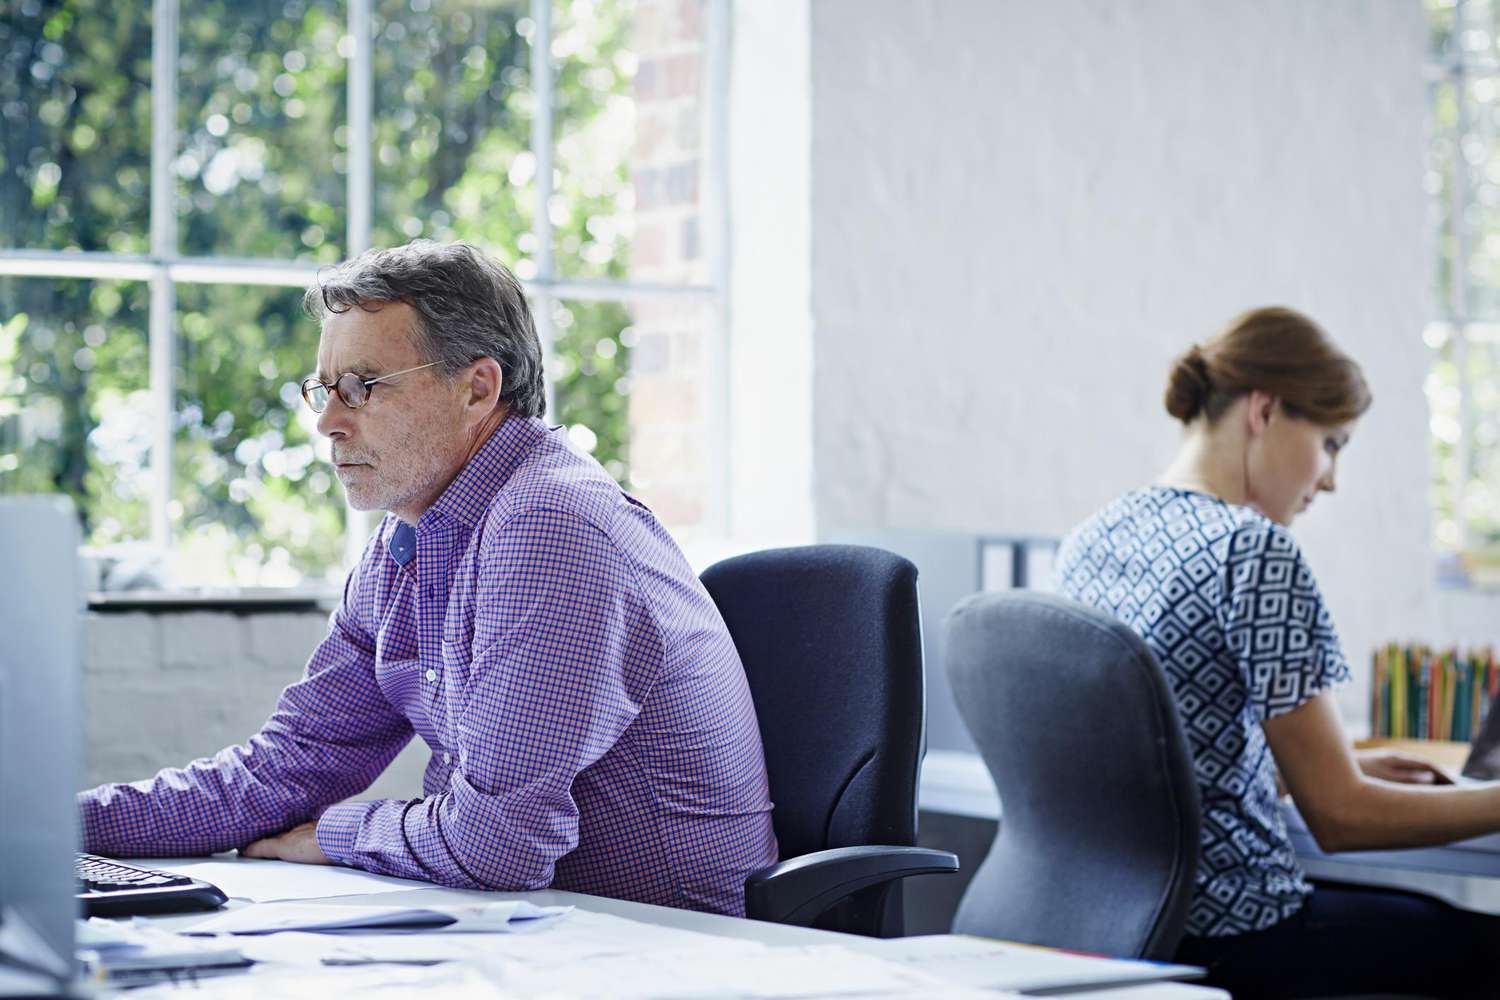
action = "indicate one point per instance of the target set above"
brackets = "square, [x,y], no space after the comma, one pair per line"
[589,720]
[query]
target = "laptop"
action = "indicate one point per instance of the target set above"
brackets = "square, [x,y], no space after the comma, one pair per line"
[1483,763]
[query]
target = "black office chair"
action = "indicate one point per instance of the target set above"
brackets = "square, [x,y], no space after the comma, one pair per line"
[1098,838]
[831,640]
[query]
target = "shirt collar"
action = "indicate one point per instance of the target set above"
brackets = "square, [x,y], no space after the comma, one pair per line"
[467,498]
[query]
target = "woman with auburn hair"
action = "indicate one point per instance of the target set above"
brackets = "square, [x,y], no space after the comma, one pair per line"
[1202,565]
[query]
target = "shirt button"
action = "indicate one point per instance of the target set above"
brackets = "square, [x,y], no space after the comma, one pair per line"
[432,675]
[447,758]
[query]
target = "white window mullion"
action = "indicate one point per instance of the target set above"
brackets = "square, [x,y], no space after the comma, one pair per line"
[361,128]
[1458,290]
[163,308]
[714,225]
[541,151]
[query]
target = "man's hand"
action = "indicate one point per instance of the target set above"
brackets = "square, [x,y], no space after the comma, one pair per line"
[1391,765]
[299,844]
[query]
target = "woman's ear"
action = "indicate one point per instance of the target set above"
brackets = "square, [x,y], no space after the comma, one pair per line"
[1259,411]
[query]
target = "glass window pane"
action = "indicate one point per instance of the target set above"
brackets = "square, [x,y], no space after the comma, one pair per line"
[1444,433]
[452,128]
[627,136]
[1440,23]
[261,109]
[75,125]
[1482,496]
[1439,179]
[1480,157]
[628,381]
[589,371]
[254,500]
[1472,30]
[75,407]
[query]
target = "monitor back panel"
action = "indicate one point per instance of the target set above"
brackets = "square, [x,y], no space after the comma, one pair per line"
[40,617]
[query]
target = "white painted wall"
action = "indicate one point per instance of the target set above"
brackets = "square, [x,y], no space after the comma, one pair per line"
[770,308]
[1021,212]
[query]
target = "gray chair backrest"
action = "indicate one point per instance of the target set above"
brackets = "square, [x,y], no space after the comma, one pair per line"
[1098,838]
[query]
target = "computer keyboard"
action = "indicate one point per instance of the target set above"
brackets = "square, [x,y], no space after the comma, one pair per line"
[109,888]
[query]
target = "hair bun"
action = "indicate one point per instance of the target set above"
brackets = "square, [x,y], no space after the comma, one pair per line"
[1189,385]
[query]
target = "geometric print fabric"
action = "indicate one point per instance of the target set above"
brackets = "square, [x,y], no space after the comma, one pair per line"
[1225,600]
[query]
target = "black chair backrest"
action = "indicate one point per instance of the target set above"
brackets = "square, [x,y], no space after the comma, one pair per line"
[831,640]
[1098,838]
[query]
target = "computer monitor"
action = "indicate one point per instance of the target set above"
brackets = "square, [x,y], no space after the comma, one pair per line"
[40,602]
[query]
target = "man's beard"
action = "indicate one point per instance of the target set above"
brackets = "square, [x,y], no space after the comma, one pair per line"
[395,482]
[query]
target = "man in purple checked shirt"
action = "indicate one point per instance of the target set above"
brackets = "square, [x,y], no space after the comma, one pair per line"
[590,724]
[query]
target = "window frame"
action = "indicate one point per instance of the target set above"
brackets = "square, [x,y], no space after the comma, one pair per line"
[164,268]
[1457,69]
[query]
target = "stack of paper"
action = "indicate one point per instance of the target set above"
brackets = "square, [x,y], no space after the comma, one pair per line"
[108,948]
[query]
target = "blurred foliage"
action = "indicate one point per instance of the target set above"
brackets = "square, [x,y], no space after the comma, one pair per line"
[260,172]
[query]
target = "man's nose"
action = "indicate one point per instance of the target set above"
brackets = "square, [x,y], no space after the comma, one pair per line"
[333,422]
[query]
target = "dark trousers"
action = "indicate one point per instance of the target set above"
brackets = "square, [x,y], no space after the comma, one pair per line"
[1351,939]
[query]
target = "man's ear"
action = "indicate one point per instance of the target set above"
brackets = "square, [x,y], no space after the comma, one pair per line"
[1262,407]
[485,383]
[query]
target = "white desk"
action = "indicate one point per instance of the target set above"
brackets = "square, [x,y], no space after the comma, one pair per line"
[771,935]
[1466,874]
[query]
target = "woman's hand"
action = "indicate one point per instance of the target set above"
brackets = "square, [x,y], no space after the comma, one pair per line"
[1402,768]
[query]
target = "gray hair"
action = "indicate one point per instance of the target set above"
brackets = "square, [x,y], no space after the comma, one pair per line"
[469,306]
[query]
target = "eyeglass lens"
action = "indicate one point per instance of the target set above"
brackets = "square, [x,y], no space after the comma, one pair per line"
[353,391]
[316,394]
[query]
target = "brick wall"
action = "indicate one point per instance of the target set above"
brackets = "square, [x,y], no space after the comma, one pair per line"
[668,439]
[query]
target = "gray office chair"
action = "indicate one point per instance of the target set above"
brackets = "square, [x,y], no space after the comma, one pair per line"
[1098,838]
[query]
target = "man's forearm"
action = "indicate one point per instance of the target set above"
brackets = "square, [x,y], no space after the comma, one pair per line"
[460,838]
[211,805]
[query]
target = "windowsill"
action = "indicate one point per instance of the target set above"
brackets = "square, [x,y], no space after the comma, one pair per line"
[1482,587]
[957,783]
[247,600]
[701,551]
[1475,571]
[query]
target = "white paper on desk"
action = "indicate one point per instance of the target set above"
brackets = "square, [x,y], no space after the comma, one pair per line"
[268,881]
[582,937]
[817,971]
[980,962]
[511,916]
[450,982]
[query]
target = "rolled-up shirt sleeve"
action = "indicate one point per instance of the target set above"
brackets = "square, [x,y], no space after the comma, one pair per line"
[331,735]
[574,653]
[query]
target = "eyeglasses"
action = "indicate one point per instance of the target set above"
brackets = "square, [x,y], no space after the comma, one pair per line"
[349,387]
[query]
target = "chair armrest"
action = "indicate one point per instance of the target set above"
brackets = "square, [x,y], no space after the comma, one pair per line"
[797,891]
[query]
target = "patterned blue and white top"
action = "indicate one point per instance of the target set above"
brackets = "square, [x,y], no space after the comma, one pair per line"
[1224,598]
